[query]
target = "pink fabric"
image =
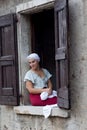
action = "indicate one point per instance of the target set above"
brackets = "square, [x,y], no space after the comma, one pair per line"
[36,101]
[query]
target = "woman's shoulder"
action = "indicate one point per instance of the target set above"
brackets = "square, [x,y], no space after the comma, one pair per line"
[28,76]
[47,73]
[44,69]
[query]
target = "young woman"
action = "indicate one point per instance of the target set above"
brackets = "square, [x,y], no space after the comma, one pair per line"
[38,81]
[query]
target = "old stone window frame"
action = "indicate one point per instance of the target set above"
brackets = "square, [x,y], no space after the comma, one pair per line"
[24,38]
[23,33]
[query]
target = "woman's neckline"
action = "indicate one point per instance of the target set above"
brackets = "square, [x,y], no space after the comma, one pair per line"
[38,73]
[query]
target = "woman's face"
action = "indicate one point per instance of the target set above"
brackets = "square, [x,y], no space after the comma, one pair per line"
[34,64]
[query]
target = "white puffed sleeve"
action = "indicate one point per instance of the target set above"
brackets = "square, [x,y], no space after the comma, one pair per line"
[47,74]
[29,77]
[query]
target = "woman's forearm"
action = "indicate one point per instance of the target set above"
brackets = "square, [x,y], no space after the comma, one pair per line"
[38,90]
[35,90]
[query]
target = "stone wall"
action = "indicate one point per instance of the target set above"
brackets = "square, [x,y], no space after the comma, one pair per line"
[78,61]
[8,6]
[78,77]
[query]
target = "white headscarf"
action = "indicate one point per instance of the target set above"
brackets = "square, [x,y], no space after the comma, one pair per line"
[33,56]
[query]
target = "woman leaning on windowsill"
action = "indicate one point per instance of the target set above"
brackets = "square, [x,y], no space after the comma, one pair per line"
[38,83]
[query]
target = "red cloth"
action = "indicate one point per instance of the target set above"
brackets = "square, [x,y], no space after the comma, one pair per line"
[36,101]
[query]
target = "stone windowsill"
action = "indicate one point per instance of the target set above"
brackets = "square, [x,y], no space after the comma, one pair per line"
[38,110]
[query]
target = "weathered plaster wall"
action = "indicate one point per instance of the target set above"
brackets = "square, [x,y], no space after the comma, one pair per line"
[78,62]
[7,6]
[78,77]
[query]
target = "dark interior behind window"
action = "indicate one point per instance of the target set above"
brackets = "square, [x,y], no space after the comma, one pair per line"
[43,39]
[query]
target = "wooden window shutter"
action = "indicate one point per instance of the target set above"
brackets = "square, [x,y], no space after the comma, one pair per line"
[61,50]
[9,88]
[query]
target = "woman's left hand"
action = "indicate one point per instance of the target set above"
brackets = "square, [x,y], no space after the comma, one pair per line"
[49,91]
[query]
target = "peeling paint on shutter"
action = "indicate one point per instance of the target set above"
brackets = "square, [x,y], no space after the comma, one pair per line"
[61,52]
[9,91]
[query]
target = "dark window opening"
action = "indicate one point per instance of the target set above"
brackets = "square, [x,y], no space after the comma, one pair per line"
[43,41]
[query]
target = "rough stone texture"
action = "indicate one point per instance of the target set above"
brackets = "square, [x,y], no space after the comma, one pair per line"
[37,110]
[28,6]
[8,6]
[24,41]
[78,63]
[78,76]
